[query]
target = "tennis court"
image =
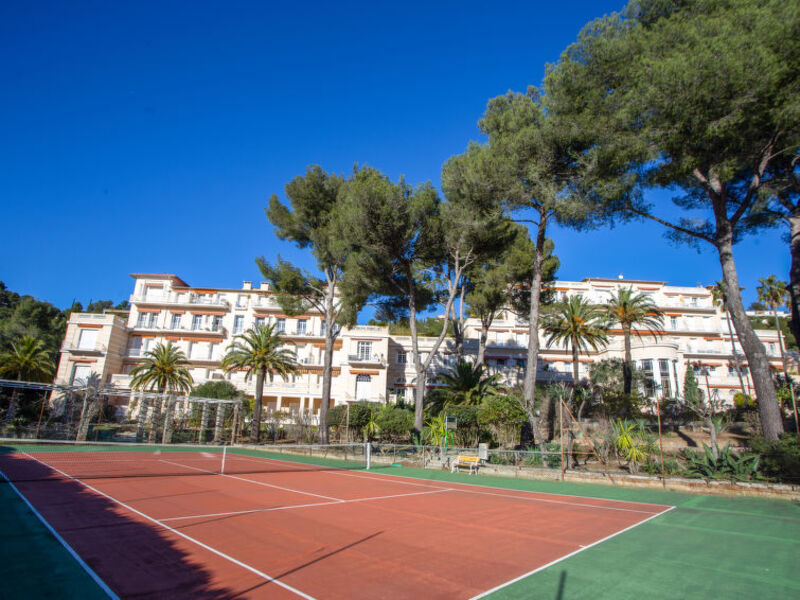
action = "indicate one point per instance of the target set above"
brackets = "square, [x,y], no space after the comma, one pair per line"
[197,522]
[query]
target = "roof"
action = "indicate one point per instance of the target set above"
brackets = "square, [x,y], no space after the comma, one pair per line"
[171,276]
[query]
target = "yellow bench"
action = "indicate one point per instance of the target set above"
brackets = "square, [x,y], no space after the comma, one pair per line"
[468,462]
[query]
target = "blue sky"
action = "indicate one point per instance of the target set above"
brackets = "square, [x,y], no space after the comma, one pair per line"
[147,137]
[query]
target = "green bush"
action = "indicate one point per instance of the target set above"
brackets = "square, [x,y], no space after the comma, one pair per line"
[742,401]
[727,465]
[394,421]
[779,459]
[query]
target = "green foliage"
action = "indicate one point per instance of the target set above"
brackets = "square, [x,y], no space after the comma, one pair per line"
[691,388]
[394,421]
[742,401]
[436,432]
[164,369]
[25,315]
[28,360]
[361,413]
[779,459]
[222,390]
[727,465]
[259,350]
[337,416]
[632,442]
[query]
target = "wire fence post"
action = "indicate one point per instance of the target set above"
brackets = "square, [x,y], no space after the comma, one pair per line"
[661,444]
[561,431]
[368,454]
[222,466]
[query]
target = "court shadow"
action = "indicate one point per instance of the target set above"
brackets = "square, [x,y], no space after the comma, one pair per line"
[134,557]
[562,580]
[312,562]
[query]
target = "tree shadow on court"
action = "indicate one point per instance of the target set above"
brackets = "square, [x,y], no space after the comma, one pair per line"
[132,556]
[312,562]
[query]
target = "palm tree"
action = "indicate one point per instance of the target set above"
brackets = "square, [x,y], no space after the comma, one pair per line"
[718,295]
[258,350]
[27,360]
[163,370]
[467,383]
[773,293]
[577,324]
[636,313]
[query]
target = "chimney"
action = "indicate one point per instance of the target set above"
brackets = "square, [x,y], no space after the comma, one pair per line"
[264,286]
[247,285]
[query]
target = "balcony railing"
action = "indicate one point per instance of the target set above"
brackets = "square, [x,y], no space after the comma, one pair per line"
[77,349]
[185,299]
[365,358]
[214,330]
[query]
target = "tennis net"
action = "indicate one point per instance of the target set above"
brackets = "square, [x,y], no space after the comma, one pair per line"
[38,459]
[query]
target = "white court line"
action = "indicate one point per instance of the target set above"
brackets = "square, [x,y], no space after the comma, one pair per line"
[270,485]
[566,556]
[549,501]
[176,532]
[379,477]
[290,507]
[63,542]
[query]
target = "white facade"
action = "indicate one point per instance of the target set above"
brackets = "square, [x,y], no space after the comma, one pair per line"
[368,363]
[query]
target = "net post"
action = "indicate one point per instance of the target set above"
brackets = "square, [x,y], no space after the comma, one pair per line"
[222,466]
[368,454]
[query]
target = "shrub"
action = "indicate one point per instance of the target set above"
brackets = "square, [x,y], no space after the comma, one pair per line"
[779,459]
[742,401]
[727,465]
[394,421]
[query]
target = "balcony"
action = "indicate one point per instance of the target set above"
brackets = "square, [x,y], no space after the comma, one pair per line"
[215,301]
[208,330]
[97,349]
[365,359]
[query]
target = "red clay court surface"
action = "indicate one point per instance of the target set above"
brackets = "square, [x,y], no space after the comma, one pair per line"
[305,532]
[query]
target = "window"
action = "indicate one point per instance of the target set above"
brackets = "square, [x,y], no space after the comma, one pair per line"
[211,349]
[176,322]
[197,322]
[322,328]
[238,323]
[281,326]
[80,374]
[673,322]
[87,340]
[301,326]
[153,292]
[216,323]
[260,321]
[363,384]
[666,382]
[649,383]
[364,350]
[402,357]
[135,347]
[241,300]
[147,320]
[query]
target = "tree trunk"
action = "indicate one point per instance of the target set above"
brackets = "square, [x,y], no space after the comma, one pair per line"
[327,369]
[627,365]
[219,422]
[88,410]
[712,431]
[152,435]
[203,423]
[484,335]
[735,354]
[13,404]
[771,422]
[144,408]
[255,425]
[794,274]
[780,343]
[529,387]
[169,415]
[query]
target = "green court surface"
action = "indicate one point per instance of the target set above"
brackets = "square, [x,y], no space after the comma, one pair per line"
[707,547]
[33,564]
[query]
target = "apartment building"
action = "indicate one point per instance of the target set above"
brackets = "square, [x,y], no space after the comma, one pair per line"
[369,363]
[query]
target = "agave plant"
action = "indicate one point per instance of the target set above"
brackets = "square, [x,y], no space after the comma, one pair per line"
[726,465]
